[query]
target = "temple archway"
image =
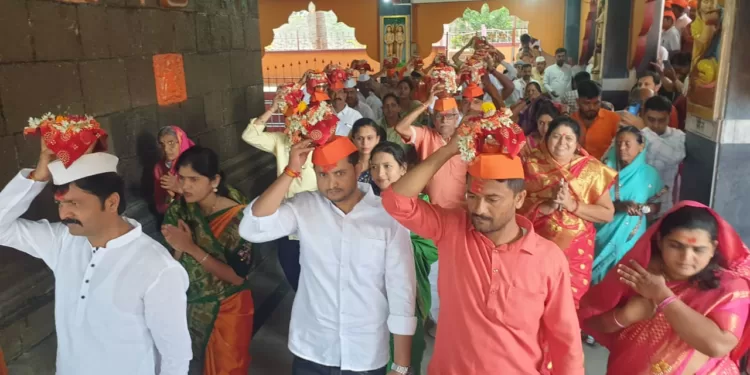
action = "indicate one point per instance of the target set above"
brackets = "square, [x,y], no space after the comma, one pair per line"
[546,20]
[498,27]
[310,39]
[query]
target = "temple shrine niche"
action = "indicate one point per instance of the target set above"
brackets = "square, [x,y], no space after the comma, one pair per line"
[706,31]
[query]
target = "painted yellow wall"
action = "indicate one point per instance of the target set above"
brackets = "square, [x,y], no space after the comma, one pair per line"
[546,20]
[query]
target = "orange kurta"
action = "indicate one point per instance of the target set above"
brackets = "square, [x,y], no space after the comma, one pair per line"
[499,303]
[597,137]
[448,187]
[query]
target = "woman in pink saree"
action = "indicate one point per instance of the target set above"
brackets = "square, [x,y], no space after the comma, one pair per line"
[173,141]
[678,302]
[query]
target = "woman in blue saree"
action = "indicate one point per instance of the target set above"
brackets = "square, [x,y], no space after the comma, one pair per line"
[634,193]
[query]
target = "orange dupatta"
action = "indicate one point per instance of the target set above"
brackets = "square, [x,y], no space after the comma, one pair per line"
[228,348]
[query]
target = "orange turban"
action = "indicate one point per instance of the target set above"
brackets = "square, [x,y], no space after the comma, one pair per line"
[473,90]
[329,154]
[680,3]
[670,14]
[445,105]
[496,167]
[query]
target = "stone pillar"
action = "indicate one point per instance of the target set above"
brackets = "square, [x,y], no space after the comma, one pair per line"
[716,169]
[573,26]
[611,57]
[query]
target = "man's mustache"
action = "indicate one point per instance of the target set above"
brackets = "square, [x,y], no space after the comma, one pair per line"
[480,217]
[71,221]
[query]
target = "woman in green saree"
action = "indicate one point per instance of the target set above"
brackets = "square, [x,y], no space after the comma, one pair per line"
[202,230]
[388,163]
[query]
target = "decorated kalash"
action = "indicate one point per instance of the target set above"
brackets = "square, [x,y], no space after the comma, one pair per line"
[114,285]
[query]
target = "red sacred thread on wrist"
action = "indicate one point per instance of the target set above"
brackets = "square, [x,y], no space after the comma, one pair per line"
[289,172]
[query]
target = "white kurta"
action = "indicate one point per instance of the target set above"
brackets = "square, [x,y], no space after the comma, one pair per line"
[119,310]
[347,117]
[665,153]
[558,80]
[365,111]
[357,283]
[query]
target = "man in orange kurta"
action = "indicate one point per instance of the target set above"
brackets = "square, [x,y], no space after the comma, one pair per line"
[505,290]
[598,125]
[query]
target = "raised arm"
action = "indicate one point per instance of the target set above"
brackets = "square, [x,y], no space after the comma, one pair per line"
[403,128]
[401,289]
[560,325]
[457,56]
[268,217]
[165,304]
[507,83]
[255,135]
[39,239]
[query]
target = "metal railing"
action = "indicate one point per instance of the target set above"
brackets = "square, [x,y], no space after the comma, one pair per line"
[299,40]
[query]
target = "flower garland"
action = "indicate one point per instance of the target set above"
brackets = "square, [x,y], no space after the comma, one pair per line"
[292,96]
[317,123]
[445,75]
[491,133]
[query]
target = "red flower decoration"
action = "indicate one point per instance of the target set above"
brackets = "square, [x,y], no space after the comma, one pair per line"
[68,137]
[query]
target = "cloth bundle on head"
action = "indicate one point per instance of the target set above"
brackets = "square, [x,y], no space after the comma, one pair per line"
[317,86]
[84,166]
[337,148]
[391,65]
[445,75]
[362,66]
[337,76]
[69,137]
[440,60]
[317,123]
[471,74]
[417,62]
[293,99]
[491,144]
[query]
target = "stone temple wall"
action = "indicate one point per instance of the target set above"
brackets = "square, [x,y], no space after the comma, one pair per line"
[136,65]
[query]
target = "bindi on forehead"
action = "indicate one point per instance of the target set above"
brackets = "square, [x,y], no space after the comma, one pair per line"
[692,240]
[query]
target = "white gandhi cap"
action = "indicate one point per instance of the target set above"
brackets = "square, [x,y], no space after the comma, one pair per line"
[350,83]
[86,166]
[364,77]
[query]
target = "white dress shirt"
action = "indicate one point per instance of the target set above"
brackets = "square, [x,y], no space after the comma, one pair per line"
[357,282]
[374,102]
[347,117]
[365,110]
[665,153]
[119,309]
[682,22]
[671,39]
[558,79]
[519,91]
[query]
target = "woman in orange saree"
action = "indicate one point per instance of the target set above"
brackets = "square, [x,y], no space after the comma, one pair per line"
[678,302]
[568,191]
[203,229]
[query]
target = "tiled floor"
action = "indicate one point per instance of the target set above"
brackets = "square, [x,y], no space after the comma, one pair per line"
[269,350]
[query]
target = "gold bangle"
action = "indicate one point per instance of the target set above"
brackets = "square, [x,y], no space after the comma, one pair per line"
[204,259]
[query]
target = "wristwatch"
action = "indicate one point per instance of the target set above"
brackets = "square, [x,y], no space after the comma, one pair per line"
[400,369]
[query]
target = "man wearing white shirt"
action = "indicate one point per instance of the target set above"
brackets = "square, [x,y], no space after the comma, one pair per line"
[520,85]
[680,10]
[347,115]
[364,85]
[670,36]
[558,78]
[120,298]
[665,146]
[358,280]
[352,100]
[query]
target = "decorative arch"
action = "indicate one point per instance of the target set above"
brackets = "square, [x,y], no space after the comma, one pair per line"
[359,14]
[547,19]
[499,27]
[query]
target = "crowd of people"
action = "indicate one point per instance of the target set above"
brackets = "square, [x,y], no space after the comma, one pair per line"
[554,221]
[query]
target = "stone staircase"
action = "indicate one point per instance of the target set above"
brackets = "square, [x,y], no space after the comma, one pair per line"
[27,285]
